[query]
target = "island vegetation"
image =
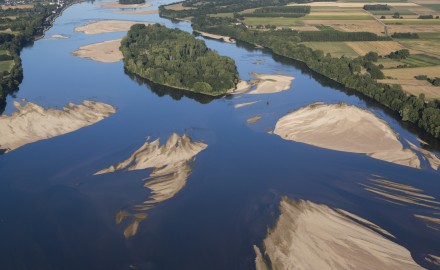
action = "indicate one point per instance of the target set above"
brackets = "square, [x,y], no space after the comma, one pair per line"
[177,59]
[131,2]
[358,73]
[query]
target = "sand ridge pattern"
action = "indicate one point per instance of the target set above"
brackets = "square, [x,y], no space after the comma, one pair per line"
[315,236]
[107,26]
[31,122]
[171,163]
[345,128]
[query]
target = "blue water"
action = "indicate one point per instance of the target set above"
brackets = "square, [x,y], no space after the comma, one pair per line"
[54,214]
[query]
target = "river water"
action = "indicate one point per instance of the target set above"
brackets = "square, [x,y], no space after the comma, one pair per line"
[55,214]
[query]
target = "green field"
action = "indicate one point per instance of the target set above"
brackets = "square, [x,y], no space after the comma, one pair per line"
[327,16]
[421,60]
[412,21]
[432,6]
[392,11]
[374,1]
[6,65]
[273,21]
[336,49]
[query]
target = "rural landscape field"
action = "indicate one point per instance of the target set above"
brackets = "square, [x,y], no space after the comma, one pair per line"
[219,134]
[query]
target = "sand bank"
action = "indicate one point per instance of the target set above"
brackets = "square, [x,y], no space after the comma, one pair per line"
[107,26]
[33,123]
[117,5]
[139,12]
[213,36]
[345,128]
[240,88]
[57,36]
[253,120]
[433,259]
[241,105]
[433,160]
[315,236]
[171,164]
[106,52]
[271,83]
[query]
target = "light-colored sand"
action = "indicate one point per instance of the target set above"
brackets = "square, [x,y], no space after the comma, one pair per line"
[345,128]
[107,26]
[433,259]
[33,123]
[171,165]
[106,52]
[401,194]
[241,105]
[139,12]
[56,36]
[241,87]
[433,160]
[117,5]
[315,236]
[253,120]
[271,83]
[213,36]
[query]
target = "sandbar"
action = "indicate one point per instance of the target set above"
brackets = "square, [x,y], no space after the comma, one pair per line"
[106,52]
[241,105]
[171,164]
[253,120]
[139,12]
[31,122]
[214,36]
[271,83]
[117,5]
[107,26]
[345,128]
[315,236]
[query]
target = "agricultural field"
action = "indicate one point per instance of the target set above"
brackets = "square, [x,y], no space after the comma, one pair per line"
[6,66]
[285,22]
[336,49]
[381,47]
[421,60]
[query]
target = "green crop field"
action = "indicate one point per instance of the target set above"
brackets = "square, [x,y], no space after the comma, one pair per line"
[412,21]
[421,60]
[273,21]
[336,49]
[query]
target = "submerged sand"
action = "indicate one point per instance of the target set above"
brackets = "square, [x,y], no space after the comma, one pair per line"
[117,5]
[315,236]
[106,52]
[214,36]
[345,128]
[31,122]
[107,26]
[139,12]
[271,83]
[171,164]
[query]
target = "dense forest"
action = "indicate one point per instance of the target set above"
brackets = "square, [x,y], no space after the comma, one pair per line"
[344,70]
[175,58]
[131,2]
[26,25]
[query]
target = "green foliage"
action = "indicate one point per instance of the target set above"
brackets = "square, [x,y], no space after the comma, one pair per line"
[175,58]
[377,7]
[131,2]
[400,54]
[405,35]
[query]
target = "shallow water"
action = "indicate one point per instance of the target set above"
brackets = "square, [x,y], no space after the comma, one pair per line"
[55,214]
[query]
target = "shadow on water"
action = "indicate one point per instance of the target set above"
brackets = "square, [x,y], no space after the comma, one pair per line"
[176,94]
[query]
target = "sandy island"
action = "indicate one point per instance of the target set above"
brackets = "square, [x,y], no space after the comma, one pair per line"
[271,83]
[315,236]
[107,26]
[345,128]
[106,52]
[214,36]
[241,105]
[171,165]
[33,123]
[117,5]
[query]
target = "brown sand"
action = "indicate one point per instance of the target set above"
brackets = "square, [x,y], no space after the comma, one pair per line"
[433,160]
[117,5]
[271,83]
[253,120]
[213,36]
[345,128]
[315,236]
[241,105]
[140,12]
[107,26]
[171,165]
[106,52]
[33,123]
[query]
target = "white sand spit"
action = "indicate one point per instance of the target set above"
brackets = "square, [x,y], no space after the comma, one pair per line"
[271,83]
[33,123]
[345,128]
[57,36]
[171,165]
[241,105]
[213,36]
[117,5]
[315,236]
[106,52]
[107,26]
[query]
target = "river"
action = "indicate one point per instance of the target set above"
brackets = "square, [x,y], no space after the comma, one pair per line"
[56,214]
